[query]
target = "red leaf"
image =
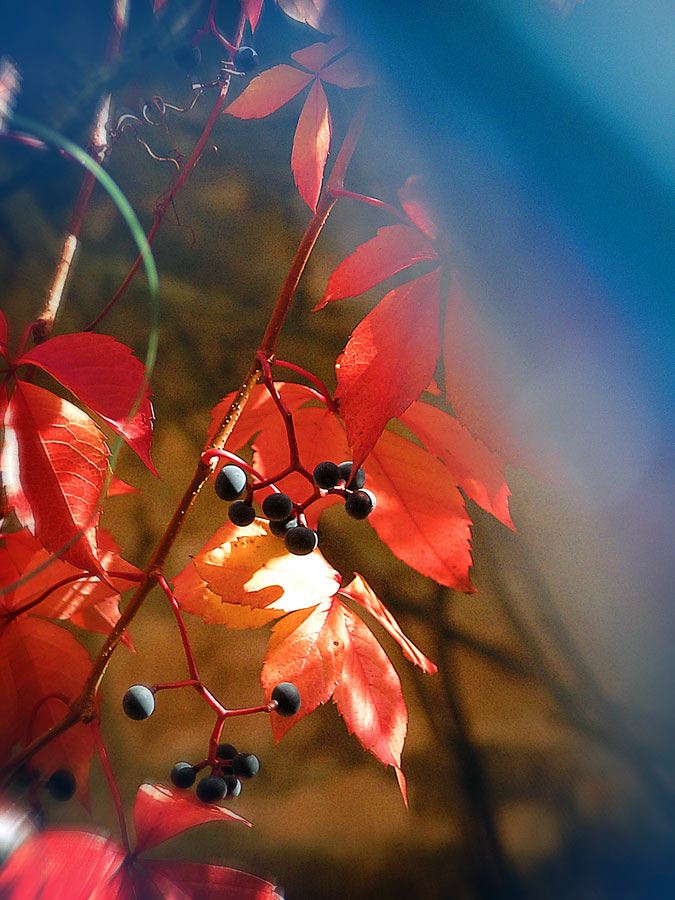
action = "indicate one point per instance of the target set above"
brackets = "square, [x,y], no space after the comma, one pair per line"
[16,551]
[268,92]
[202,882]
[105,376]
[393,249]
[54,462]
[420,514]
[388,361]
[252,10]
[402,784]
[478,471]
[361,592]
[318,55]
[311,145]
[305,648]
[259,411]
[42,661]
[158,5]
[369,696]
[415,200]
[162,812]
[66,865]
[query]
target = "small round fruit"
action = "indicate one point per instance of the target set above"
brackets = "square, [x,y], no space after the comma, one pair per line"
[233,786]
[360,504]
[241,513]
[183,775]
[246,59]
[301,540]
[280,528]
[138,702]
[246,765]
[61,785]
[226,751]
[277,507]
[211,789]
[326,475]
[287,697]
[187,55]
[357,481]
[230,483]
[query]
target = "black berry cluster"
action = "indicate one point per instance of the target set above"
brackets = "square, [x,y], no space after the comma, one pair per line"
[228,773]
[285,516]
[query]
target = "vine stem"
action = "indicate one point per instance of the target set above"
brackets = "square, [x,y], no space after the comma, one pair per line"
[99,147]
[112,783]
[82,709]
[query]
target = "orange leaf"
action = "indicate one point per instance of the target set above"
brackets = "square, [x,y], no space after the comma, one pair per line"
[251,567]
[361,592]
[269,91]
[369,696]
[311,144]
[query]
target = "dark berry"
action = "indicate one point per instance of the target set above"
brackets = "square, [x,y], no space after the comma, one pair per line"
[287,697]
[211,789]
[187,55]
[326,475]
[240,513]
[183,775]
[280,528]
[226,751]
[138,702]
[246,765]
[360,504]
[233,786]
[301,540]
[246,59]
[357,481]
[61,785]
[277,507]
[230,483]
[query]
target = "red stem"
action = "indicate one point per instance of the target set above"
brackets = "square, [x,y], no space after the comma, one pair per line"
[372,201]
[189,655]
[322,392]
[112,783]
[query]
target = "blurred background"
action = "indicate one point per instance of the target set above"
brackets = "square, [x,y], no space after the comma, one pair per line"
[540,759]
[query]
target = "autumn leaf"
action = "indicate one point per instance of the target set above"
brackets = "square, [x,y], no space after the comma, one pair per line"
[388,361]
[105,376]
[420,514]
[54,463]
[250,567]
[327,652]
[393,249]
[162,812]
[272,89]
[360,592]
[311,144]
[320,15]
[195,881]
[252,10]
[67,864]
[474,468]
